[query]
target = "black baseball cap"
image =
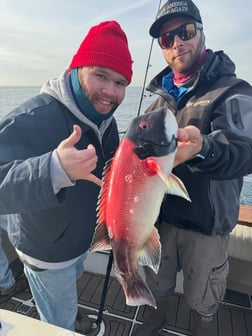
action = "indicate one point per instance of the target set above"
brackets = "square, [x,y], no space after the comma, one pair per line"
[172,9]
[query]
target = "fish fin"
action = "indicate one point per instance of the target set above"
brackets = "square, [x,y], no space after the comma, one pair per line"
[136,290]
[101,240]
[154,167]
[174,184]
[151,253]
[101,204]
[177,187]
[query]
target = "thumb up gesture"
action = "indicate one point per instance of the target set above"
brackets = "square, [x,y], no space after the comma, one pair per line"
[77,164]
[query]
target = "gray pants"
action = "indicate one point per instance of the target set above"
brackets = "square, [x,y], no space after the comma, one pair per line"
[204,262]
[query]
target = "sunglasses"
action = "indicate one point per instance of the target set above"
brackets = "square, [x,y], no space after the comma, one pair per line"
[185,33]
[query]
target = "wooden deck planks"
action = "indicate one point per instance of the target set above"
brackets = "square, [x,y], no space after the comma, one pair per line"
[245,215]
[224,322]
[120,319]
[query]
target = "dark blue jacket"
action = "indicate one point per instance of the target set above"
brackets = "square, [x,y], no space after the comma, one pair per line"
[220,105]
[45,226]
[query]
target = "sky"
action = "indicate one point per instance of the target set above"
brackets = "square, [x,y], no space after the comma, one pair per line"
[39,38]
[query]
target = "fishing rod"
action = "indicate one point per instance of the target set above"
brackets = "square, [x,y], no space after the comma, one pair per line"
[147,68]
[146,73]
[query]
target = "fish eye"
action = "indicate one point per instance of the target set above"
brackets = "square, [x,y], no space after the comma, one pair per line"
[145,124]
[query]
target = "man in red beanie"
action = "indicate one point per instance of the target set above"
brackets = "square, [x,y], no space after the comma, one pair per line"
[52,152]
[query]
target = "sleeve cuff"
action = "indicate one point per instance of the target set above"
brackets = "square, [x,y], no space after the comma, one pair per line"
[58,176]
[202,155]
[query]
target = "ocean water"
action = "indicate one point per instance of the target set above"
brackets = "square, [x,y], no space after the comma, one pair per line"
[11,97]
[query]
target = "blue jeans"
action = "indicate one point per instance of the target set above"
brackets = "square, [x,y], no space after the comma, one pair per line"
[55,293]
[6,276]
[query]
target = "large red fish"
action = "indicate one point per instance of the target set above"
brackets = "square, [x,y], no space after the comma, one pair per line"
[133,187]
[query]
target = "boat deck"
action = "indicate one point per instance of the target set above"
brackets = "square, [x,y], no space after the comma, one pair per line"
[234,316]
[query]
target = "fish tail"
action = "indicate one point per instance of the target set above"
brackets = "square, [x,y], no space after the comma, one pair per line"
[137,292]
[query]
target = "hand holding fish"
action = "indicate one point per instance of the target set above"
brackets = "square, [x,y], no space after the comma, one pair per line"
[190,142]
[77,164]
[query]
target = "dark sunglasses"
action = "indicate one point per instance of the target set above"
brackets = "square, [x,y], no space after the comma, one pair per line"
[185,33]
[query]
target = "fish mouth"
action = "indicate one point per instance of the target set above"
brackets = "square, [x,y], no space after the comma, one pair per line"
[146,148]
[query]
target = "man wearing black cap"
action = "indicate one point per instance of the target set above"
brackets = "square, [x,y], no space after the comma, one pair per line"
[213,110]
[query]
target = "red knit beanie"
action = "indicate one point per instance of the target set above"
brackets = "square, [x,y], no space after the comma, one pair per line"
[105,45]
